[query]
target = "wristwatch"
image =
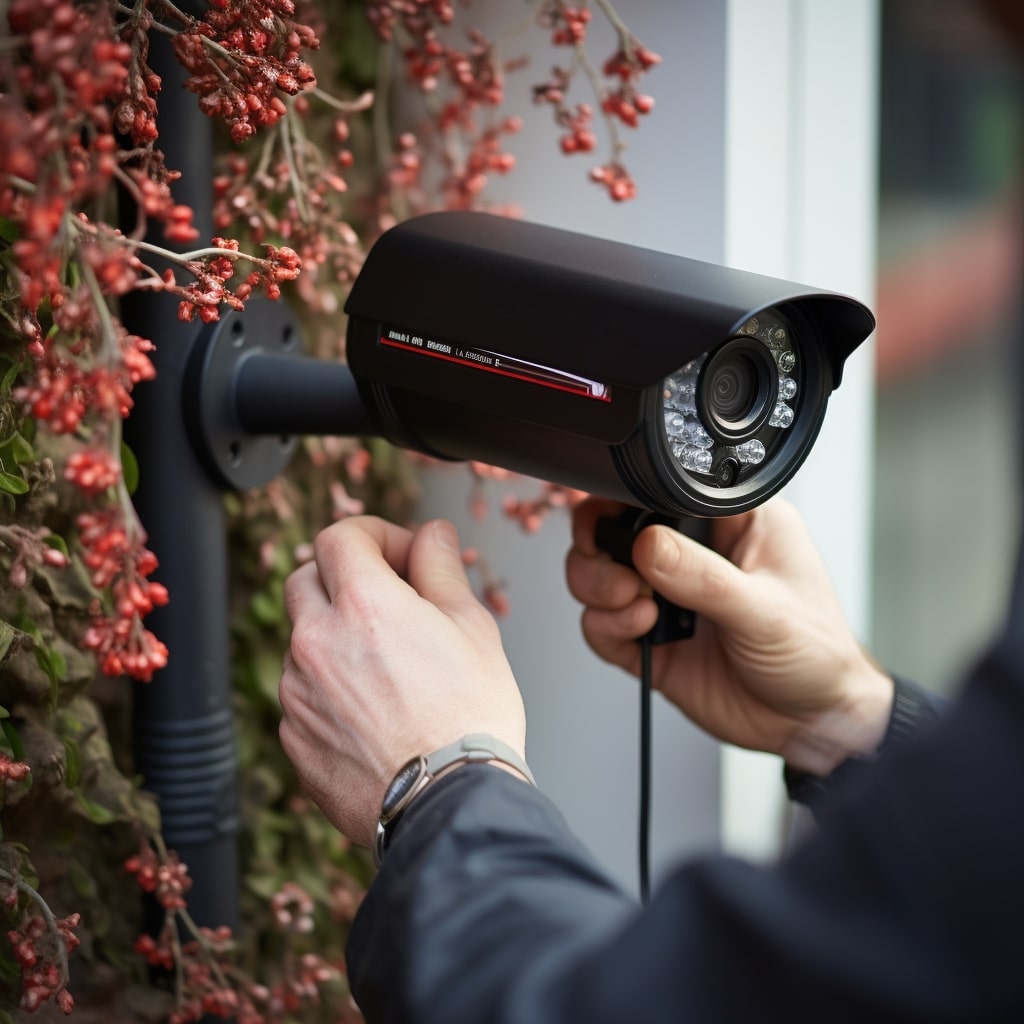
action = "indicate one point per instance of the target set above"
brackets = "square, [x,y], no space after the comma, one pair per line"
[415,775]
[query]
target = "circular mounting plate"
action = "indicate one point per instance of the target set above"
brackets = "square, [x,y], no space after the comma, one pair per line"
[238,458]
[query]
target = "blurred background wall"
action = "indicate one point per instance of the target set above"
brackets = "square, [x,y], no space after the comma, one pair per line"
[947,454]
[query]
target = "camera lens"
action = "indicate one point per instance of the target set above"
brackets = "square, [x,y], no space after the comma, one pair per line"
[734,388]
[737,389]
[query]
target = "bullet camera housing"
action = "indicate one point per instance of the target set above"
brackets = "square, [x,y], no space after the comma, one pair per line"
[683,387]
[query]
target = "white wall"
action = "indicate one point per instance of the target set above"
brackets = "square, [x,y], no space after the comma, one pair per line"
[800,204]
[733,166]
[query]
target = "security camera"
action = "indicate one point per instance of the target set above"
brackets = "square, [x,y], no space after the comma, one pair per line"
[681,387]
[678,387]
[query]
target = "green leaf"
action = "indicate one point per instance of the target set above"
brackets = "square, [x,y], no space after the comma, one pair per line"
[267,608]
[8,230]
[97,813]
[4,713]
[129,468]
[54,540]
[81,881]
[53,664]
[10,376]
[10,974]
[13,484]
[73,760]
[8,635]
[263,885]
[13,740]
[17,449]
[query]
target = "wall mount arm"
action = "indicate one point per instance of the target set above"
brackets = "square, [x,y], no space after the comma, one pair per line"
[250,394]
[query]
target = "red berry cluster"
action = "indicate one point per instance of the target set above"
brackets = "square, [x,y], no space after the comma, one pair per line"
[150,187]
[13,771]
[117,559]
[208,984]
[627,107]
[57,142]
[292,908]
[616,179]
[92,470]
[29,550]
[415,16]
[203,991]
[241,56]
[630,61]
[135,115]
[158,952]
[569,24]
[204,297]
[627,64]
[530,512]
[41,953]
[63,389]
[75,69]
[301,987]
[621,102]
[37,253]
[296,194]
[579,137]
[165,878]
[473,81]
[468,178]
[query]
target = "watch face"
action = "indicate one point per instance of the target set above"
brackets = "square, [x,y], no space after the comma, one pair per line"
[400,788]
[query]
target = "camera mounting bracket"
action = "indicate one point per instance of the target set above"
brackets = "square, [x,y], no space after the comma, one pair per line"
[234,455]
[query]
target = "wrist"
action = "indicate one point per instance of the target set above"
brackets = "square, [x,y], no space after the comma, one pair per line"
[854,726]
[418,774]
[911,710]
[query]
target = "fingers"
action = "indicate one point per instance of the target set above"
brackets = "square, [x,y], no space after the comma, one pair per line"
[438,574]
[594,579]
[598,582]
[612,635]
[357,548]
[584,521]
[304,592]
[693,576]
[366,548]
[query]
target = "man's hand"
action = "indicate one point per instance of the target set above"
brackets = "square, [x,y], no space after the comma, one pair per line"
[773,665]
[391,656]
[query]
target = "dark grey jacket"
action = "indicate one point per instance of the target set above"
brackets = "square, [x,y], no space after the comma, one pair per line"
[906,905]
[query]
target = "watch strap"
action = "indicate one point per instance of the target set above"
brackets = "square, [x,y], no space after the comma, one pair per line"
[414,776]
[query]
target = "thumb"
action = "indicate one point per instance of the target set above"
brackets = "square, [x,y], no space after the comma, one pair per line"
[436,569]
[693,576]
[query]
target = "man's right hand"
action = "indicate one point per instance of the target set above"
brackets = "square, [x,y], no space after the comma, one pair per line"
[773,666]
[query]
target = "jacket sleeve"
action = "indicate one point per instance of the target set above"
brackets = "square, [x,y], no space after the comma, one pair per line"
[913,710]
[906,905]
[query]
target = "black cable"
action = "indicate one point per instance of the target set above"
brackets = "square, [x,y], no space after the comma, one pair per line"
[645,768]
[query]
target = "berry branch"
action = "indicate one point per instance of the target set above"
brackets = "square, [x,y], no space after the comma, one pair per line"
[202,960]
[40,945]
[623,104]
[306,180]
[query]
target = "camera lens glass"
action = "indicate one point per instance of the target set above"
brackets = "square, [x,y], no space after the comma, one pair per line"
[737,389]
[727,411]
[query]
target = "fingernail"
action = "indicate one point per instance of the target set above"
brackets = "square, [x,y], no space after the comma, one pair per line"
[666,553]
[447,536]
